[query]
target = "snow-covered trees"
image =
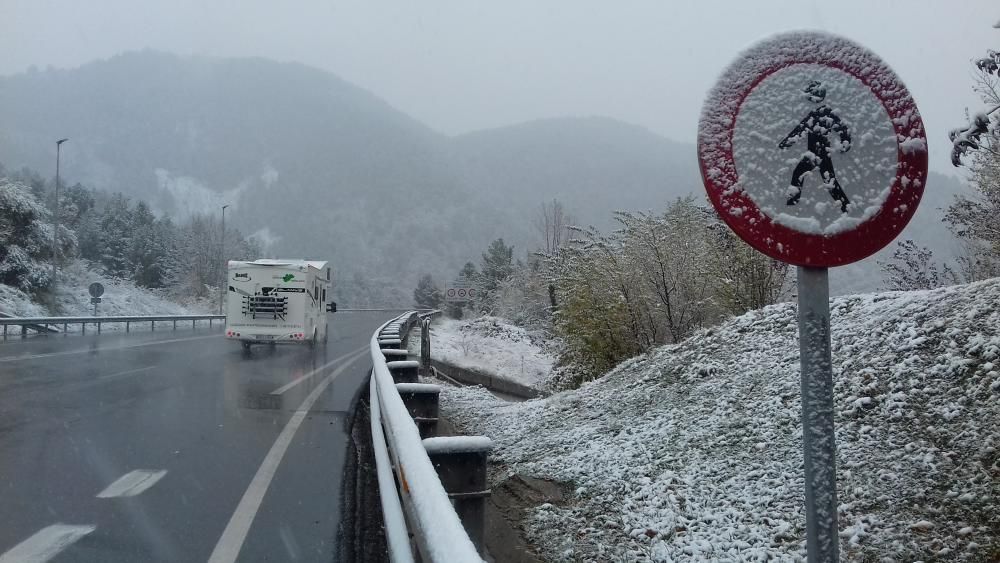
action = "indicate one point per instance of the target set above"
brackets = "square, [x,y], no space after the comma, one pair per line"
[655,280]
[427,294]
[125,240]
[975,219]
[26,238]
[912,267]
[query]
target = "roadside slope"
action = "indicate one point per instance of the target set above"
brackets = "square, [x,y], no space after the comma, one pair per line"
[693,452]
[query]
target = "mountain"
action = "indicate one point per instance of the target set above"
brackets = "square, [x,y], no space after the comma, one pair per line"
[321,168]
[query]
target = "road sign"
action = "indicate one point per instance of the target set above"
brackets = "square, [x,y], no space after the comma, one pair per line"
[96,289]
[459,291]
[812,150]
[95,300]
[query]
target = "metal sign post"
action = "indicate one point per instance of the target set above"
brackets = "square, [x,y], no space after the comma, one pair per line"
[96,290]
[813,152]
[818,444]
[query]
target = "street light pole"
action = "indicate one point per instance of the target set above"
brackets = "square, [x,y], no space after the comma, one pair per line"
[222,250]
[55,214]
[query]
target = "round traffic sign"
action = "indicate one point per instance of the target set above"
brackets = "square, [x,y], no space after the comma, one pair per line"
[96,289]
[451,293]
[461,293]
[812,150]
[472,292]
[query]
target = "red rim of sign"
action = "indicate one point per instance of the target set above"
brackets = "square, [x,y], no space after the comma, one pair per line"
[451,293]
[718,168]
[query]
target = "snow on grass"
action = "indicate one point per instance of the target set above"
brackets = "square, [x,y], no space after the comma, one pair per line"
[693,452]
[491,345]
[120,298]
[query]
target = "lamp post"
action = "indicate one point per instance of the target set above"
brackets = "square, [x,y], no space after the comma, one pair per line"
[55,215]
[222,251]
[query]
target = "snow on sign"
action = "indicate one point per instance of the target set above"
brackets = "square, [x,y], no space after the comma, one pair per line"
[812,150]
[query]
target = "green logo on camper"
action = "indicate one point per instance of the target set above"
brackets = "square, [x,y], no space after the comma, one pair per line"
[287,277]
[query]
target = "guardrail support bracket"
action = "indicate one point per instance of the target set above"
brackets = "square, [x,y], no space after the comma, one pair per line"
[460,462]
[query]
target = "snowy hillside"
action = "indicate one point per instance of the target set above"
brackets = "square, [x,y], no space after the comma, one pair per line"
[494,346]
[120,298]
[693,452]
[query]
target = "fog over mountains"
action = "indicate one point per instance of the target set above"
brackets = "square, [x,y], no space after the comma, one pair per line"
[321,168]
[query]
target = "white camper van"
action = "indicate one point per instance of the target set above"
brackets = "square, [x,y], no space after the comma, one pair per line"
[278,301]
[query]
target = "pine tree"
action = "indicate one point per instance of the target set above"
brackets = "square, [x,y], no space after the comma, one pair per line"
[427,294]
[497,266]
[116,237]
[25,238]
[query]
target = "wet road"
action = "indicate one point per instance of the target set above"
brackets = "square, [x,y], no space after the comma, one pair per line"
[175,446]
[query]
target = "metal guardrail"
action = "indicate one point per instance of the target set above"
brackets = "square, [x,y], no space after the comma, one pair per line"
[422,507]
[42,324]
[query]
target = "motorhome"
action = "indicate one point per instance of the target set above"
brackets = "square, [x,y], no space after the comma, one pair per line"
[278,301]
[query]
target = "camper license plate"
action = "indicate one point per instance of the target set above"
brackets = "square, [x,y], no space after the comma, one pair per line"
[266,336]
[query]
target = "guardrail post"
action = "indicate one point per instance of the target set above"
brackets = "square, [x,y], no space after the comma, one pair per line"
[128,324]
[394,354]
[5,332]
[421,400]
[460,462]
[98,327]
[65,328]
[24,331]
[404,371]
[425,348]
[175,324]
[390,343]
[192,324]
[152,326]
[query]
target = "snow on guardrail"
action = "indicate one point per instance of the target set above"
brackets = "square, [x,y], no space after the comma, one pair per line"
[434,523]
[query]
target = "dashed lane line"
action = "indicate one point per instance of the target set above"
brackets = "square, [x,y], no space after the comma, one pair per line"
[45,543]
[231,541]
[132,483]
[348,357]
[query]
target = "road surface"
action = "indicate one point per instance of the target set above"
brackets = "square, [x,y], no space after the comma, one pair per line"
[175,446]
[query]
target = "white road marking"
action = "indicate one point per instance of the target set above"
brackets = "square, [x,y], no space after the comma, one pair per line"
[349,357]
[132,483]
[45,544]
[90,350]
[228,548]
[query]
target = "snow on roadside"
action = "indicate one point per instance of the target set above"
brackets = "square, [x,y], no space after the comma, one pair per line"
[693,452]
[120,298]
[492,345]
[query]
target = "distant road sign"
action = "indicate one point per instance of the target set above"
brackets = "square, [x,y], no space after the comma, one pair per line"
[96,289]
[95,300]
[812,150]
[460,290]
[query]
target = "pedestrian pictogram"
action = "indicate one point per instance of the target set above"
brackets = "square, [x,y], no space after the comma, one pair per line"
[818,126]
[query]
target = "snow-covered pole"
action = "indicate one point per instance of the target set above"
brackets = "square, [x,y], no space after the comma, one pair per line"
[818,441]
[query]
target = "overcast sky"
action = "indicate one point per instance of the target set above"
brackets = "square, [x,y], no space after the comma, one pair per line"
[461,65]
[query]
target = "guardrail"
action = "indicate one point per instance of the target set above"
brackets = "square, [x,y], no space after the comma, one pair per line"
[431,473]
[43,324]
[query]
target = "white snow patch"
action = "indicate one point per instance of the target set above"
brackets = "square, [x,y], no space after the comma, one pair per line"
[667,454]
[492,345]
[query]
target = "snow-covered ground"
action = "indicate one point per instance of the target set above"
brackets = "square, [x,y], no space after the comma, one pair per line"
[492,345]
[693,452]
[120,298]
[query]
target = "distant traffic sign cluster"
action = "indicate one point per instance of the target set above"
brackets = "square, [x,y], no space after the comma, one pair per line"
[459,291]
